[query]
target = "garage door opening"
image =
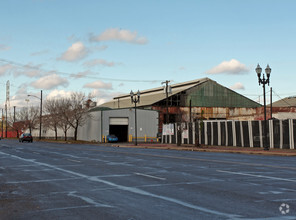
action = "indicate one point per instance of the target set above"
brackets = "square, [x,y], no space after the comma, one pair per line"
[120,131]
[119,127]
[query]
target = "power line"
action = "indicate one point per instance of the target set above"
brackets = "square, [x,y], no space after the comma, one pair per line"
[282,99]
[74,75]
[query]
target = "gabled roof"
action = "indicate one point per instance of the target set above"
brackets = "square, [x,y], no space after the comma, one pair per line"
[286,102]
[151,96]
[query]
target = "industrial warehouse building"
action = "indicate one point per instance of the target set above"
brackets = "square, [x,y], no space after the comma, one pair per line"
[283,109]
[185,102]
[120,122]
[189,101]
[101,122]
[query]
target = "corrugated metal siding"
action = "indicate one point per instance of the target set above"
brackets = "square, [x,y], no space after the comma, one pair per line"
[151,96]
[147,121]
[286,102]
[211,94]
[91,130]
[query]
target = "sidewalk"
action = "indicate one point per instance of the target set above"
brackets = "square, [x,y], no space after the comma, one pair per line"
[221,149]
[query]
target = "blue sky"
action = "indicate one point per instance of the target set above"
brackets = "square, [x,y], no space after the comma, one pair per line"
[106,48]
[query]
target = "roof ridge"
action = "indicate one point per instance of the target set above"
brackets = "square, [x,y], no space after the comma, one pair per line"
[172,85]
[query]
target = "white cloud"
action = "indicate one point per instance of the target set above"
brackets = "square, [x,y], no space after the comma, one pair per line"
[4,47]
[117,34]
[29,70]
[99,48]
[58,94]
[98,85]
[21,99]
[76,52]
[97,62]
[101,96]
[237,86]
[229,67]
[50,82]
[5,69]
[80,74]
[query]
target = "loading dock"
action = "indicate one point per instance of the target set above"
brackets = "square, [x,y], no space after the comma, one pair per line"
[119,127]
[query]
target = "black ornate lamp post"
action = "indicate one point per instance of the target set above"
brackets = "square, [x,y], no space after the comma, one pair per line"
[135,98]
[264,81]
[40,112]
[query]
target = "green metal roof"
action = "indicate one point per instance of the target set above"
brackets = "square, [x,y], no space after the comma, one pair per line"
[99,108]
[202,92]
[151,96]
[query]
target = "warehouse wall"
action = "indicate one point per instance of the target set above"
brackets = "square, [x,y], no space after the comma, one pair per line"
[97,124]
[147,121]
[91,130]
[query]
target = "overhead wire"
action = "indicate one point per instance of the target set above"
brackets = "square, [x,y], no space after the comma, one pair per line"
[282,99]
[74,75]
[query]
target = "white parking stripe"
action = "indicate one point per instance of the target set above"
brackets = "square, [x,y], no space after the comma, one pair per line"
[126,188]
[77,161]
[259,176]
[154,177]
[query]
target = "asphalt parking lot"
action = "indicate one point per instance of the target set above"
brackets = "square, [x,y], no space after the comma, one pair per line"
[79,181]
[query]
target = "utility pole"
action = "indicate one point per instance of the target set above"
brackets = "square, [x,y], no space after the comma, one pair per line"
[14,121]
[40,118]
[6,120]
[7,102]
[13,114]
[2,123]
[167,99]
[190,109]
[40,115]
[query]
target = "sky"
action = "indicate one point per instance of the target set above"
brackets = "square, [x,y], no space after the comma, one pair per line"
[106,48]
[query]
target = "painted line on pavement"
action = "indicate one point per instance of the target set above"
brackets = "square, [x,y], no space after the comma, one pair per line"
[126,188]
[180,158]
[77,161]
[146,175]
[259,176]
[66,208]
[42,181]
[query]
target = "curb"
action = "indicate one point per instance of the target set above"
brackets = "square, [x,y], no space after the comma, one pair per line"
[216,149]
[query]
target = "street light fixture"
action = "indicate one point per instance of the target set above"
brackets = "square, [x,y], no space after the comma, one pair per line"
[40,112]
[264,81]
[135,98]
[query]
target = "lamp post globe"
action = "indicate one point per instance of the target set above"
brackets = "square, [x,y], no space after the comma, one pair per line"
[258,70]
[268,71]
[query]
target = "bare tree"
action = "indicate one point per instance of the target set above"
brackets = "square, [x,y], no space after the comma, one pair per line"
[75,113]
[65,113]
[21,120]
[64,108]
[52,118]
[33,117]
[29,116]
